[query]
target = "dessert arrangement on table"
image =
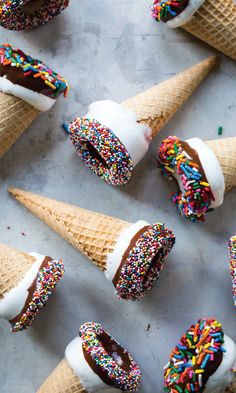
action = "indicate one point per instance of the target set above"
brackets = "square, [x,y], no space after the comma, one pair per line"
[111,139]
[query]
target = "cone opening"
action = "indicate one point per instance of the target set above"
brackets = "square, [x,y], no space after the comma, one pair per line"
[49,275]
[197,356]
[144,262]
[113,364]
[101,151]
[179,161]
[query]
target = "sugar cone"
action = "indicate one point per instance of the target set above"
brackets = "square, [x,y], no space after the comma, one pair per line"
[62,380]
[93,234]
[13,267]
[15,116]
[215,23]
[158,104]
[232,387]
[225,151]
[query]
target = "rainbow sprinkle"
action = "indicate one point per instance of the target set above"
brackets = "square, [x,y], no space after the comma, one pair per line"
[13,17]
[139,273]
[195,201]
[190,363]
[55,85]
[232,253]
[164,10]
[115,165]
[89,333]
[47,279]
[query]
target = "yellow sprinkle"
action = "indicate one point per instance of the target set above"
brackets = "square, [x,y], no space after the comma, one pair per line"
[203,183]
[179,157]
[169,169]
[194,360]
[171,151]
[207,345]
[51,85]
[199,371]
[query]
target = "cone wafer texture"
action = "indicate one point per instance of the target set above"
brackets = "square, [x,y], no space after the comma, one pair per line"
[62,380]
[15,117]
[93,234]
[225,151]
[215,23]
[157,105]
[14,266]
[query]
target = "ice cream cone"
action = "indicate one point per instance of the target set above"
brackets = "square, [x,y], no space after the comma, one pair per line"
[158,104]
[225,151]
[62,380]
[15,117]
[215,23]
[91,233]
[13,267]
[131,255]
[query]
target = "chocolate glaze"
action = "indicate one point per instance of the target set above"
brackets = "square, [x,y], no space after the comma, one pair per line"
[16,76]
[115,351]
[125,256]
[178,10]
[32,6]
[31,291]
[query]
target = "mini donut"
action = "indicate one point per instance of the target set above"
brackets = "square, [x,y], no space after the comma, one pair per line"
[29,14]
[197,356]
[232,253]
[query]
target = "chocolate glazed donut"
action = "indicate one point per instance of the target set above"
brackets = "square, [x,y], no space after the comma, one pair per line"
[29,14]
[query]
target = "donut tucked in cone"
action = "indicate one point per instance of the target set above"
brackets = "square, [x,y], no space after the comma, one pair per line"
[232,254]
[112,138]
[203,361]
[94,362]
[26,283]
[27,87]
[204,171]
[131,255]
[213,21]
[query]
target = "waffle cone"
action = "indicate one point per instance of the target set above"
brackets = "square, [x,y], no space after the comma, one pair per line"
[15,116]
[215,23]
[157,105]
[62,380]
[13,267]
[232,387]
[93,234]
[225,151]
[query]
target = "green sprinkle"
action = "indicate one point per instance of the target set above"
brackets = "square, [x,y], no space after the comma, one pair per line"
[220,130]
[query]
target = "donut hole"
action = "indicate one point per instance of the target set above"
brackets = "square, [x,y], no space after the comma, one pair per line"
[95,154]
[115,351]
[33,6]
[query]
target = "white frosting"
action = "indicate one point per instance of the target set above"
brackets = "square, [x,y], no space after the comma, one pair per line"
[123,242]
[37,100]
[123,123]
[223,376]
[212,169]
[13,301]
[89,379]
[186,15]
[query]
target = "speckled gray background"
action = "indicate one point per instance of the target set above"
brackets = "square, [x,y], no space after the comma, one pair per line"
[109,49]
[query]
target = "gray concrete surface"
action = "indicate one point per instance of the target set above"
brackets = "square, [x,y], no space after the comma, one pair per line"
[113,50]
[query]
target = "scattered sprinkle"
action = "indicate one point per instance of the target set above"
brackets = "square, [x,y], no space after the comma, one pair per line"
[220,130]
[145,262]
[52,84]
[197,355]
[89,333]
[148,327]
[66,128]
[196,198]
[232,253]
[47,279]
[101,151]
[13,17]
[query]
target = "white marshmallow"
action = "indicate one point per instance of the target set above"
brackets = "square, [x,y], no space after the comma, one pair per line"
[37,100]
[89,379]
[186,15]
[123,123]
[212,169]
[123,242]
[13,301]
[223,376]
